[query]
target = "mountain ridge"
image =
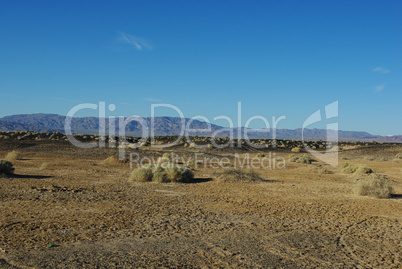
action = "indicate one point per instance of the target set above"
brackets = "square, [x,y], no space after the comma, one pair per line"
[42,122]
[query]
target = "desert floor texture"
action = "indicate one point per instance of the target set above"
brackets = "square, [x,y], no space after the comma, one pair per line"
[81,212]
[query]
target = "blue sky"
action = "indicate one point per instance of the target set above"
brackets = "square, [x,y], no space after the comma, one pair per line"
[276,57]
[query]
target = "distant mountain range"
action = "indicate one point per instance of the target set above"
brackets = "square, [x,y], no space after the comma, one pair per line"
[171,126]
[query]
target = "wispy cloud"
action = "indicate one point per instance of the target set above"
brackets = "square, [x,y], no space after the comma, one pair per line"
[380,87]
[381,70]
[153,100]
[137,42]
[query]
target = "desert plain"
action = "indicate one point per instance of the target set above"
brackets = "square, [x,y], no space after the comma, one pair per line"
[68,207]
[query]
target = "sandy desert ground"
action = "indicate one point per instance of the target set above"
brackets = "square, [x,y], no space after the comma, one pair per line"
[301,216]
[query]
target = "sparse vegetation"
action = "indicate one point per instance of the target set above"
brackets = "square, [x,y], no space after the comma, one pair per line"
[375,186]
[348,168]
[13,156]
[296,149]
[162,173]
[237,175]
[6,167]
[160,177]
[301,159]
[141,175]
[398,156]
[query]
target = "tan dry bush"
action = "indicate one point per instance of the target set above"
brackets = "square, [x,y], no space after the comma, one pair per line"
[375,186]
[112,160]
[44,166]
[173,174]
[301,159]
[296,149]
[348,168]
[6,167]
[398,156]
[141,175]
[160,177]
[13,156]
[237,175]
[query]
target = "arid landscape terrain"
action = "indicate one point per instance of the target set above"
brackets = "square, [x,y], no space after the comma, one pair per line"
[68,207]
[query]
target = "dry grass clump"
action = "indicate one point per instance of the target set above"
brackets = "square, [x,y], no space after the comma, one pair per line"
[44,166]
[112,160]
[13,156]
[162,174]
[296,149]
[301,159]
[398,156]
[375,186]
[141,175]
[237,175]
[348,168]
[6,167]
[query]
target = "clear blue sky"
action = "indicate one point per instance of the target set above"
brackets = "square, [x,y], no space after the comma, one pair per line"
[276,57]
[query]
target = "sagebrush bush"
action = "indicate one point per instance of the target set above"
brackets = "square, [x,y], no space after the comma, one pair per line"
[237,175]
[187,175]
[375,186]
[160,177]
[141,174]
[301,159]
[13,156]
[162,173]
[348,168]
[173,174]
[296,149]
[6,167]
[398,156]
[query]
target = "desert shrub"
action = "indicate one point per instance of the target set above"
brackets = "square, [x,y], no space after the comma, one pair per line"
[6,167]
[301,159]
[44,166]
[160,177]
[13,156]
[348,168]
[187,175]
[398,156]
[141,175]
[296,149]
[236,175]
[375,186]
[173,174]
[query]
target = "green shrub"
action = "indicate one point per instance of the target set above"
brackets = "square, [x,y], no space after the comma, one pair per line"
[6,167]
[375,186]
[141,175]
[13,156]
[301,159]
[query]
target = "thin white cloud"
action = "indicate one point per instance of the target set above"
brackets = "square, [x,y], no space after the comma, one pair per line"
[137,42]
[380,87]
[381,70]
